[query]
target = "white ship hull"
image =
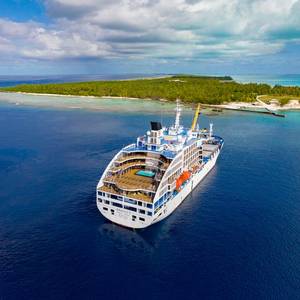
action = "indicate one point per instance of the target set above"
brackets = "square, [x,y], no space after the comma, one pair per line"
[124,218]
[170,206]
[146,181]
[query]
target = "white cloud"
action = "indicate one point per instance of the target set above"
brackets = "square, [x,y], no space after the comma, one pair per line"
[5,46]
[154,29]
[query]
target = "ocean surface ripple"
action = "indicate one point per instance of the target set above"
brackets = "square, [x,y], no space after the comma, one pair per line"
[236,237]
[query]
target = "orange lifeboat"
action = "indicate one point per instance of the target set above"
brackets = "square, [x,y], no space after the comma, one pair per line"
[182,179]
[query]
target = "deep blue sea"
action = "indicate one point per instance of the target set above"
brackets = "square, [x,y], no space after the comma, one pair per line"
[236,237]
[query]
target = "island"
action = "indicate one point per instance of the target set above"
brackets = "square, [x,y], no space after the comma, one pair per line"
[189,89]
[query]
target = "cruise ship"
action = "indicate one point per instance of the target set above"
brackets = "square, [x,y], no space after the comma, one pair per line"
[146,181]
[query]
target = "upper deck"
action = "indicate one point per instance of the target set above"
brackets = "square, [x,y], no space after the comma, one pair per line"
[124,176]
[142,148]
[154,153]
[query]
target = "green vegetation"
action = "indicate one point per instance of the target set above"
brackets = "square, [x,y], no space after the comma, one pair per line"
[209,90]
[281,99]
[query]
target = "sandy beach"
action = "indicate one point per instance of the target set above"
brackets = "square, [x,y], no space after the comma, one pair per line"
[257,105]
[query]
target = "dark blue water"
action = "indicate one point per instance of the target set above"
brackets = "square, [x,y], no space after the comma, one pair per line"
[236,237]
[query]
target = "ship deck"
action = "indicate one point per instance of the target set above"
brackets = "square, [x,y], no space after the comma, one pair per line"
[125,166]
[130,181]
[132,195]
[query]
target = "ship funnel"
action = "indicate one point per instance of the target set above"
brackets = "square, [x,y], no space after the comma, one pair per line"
[156,126]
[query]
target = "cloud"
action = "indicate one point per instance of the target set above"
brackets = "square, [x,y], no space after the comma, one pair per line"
[154,29]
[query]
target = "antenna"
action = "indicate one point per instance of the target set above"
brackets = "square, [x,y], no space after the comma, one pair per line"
[178,113]
[211,129]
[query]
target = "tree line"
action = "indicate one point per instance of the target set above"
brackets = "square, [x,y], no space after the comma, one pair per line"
[209,90]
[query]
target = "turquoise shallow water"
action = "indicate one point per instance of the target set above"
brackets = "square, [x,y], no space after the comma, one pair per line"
[237,236]
[89,103]
[285,80]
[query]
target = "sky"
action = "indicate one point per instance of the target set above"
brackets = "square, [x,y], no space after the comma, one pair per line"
[40,37]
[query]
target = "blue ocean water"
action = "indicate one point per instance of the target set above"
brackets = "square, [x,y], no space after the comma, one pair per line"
[236,237]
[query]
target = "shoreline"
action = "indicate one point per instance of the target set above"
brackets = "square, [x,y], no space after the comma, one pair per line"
[79,96]
[257,105]
[293,104]
[89,97]
[250,106]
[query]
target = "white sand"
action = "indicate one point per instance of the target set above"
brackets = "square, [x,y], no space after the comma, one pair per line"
[292,105]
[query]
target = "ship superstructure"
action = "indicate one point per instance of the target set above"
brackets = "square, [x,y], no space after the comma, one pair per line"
[146,181]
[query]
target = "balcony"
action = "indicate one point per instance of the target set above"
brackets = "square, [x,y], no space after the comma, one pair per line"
[162,166]
[131,182]
[133,195]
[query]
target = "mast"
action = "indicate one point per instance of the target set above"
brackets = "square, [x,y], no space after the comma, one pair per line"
[211,129]
[178,113]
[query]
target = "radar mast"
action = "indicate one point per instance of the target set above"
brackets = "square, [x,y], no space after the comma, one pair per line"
[178,114]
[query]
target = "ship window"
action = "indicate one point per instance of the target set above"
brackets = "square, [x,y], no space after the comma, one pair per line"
[130,201]
[130,208]
[160,201]
[112,211]
[105,208]
[149,213]
[99,193]
[114,197]
[119,198]
[142,219]
[149,205]
[158,209]
[106,202]
[117,204]
[133,218]
[100,200]
[142,211]
[140,203]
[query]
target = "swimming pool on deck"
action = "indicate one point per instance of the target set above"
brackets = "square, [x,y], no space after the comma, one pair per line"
[145,173]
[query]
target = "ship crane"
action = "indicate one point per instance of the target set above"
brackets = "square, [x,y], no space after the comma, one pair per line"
[196,116]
